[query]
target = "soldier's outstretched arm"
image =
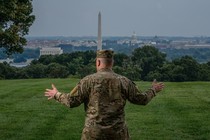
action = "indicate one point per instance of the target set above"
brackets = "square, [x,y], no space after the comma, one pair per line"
[136,96]
[72,99]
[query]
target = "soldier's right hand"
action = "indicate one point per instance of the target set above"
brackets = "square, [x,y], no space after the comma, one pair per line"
[50,93]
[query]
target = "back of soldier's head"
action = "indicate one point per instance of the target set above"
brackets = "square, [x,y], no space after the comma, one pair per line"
[105,56]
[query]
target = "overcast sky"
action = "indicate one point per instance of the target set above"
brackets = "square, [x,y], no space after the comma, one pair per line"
[121,17]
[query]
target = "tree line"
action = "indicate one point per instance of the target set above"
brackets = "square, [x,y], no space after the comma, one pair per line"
[145,63]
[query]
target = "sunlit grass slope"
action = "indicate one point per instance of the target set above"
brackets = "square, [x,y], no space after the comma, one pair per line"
[181,111]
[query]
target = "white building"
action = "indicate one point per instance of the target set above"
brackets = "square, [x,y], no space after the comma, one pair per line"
[50,51]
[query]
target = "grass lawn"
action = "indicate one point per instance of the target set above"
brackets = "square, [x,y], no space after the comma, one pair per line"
[181,111]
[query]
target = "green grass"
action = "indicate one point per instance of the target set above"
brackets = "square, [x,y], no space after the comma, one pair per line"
[181,111]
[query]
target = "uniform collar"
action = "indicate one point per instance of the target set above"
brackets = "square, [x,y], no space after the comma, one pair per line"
[105,69]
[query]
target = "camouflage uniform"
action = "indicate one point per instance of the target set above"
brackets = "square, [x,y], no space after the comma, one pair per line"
[104,95]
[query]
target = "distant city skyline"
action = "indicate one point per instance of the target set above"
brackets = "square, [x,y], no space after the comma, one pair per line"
[121,17]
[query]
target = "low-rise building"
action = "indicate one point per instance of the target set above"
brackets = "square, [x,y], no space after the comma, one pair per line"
[51,51]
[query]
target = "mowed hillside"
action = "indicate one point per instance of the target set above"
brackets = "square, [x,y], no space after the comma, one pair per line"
[181,111]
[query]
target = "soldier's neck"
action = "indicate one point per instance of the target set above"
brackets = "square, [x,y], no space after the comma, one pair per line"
[104,69]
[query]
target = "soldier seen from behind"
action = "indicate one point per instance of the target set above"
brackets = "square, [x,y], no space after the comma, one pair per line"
[104,95]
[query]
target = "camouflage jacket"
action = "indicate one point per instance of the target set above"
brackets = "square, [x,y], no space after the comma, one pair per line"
[104,95]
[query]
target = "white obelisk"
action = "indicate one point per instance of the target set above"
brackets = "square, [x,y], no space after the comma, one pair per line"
[99,47]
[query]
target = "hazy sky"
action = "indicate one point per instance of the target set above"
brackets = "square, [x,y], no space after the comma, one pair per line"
[121,17]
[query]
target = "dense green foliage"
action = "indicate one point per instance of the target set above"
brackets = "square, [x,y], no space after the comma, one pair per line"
[148,59]
[15,20]
[180,111]
[145,63]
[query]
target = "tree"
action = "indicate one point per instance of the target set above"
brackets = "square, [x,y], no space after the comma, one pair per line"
[190,67]
[47,59]
[204,72]
[36,71]
[56,70]
[15,20]
[120,59]
[6,71]
[89,57]
[148,58]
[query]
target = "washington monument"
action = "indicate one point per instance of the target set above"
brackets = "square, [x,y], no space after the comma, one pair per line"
[99,47]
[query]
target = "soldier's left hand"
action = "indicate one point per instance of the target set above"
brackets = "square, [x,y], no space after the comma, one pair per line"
[157,86]
[50,93]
